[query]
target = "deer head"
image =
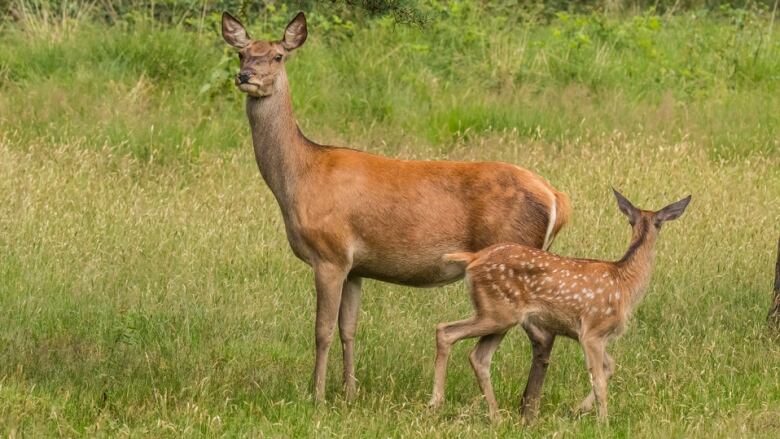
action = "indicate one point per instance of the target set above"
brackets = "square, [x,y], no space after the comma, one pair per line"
[261,61]
[643,219]
[646,223]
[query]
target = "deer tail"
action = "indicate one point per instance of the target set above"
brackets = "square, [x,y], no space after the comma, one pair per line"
[560,212]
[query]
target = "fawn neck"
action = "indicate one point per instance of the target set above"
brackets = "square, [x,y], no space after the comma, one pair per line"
[281,151]
[636,266]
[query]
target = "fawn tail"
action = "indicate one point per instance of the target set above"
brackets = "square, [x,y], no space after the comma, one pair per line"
[464,258]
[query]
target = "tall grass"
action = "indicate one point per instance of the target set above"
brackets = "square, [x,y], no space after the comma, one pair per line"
[147,288]
[165,301]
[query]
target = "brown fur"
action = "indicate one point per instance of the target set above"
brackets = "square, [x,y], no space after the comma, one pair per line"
[350,214]
[550,295]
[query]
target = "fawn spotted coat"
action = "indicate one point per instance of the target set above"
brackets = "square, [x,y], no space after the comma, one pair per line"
[550,295]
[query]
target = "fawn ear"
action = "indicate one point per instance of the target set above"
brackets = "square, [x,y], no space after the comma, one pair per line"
[233,31]
[295,33]
[673,211]
[626,207]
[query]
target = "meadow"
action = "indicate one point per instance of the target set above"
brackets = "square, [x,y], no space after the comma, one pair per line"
[147,287]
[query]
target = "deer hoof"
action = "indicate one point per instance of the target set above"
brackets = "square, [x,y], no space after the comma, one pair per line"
[584,408]
[435,403]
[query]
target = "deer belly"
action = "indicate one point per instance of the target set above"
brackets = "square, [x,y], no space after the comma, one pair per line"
[412,272]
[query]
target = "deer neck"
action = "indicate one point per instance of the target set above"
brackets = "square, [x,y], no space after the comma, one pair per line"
[281,151]
[636,266]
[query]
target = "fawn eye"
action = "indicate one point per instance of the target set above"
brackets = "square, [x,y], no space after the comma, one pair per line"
[278,58]
[240,56]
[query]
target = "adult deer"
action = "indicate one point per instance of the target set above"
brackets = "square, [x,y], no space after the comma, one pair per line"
[350,214]
[587,300]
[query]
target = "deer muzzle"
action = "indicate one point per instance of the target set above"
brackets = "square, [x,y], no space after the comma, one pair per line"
[243,77]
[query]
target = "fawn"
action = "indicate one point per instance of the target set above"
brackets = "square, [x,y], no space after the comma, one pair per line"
[549,295]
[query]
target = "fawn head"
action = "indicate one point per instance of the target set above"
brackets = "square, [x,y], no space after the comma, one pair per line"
[648,220]
[261,61]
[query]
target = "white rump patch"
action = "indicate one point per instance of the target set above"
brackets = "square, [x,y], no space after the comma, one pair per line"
[550,224]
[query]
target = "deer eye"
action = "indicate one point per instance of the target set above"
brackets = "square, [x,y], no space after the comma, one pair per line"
[278,58]
[240,56]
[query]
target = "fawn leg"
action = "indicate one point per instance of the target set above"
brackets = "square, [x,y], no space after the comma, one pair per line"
[348,317]
[541,344]
[480,358]
[609,369]
[329,281]
[594,356]
[448,334]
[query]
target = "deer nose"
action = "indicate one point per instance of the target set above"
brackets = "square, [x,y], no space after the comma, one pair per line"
[243,77]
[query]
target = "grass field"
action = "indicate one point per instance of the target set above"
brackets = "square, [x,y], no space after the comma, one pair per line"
[147,288]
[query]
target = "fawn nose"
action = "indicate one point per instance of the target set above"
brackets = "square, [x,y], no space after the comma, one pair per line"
[243,77]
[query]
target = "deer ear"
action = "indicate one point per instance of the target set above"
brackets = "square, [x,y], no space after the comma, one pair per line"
[295,33]
[673,211]
[626,207]
[233,31]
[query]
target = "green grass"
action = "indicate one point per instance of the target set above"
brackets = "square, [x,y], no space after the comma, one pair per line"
[147,288]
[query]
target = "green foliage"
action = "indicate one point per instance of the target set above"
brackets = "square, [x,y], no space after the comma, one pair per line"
[471,70]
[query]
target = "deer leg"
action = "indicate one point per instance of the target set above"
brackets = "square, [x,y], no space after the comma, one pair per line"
[609,369]
[348,317]
[541,345]
[448,334]
[594,356]
[480,358]
[329,282]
